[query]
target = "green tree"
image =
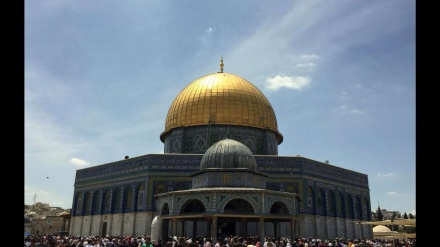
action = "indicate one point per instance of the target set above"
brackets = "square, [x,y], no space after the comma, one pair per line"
[379,214]
[411,216]
[405,216]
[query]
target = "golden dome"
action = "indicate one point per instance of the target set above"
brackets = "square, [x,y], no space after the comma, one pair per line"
[221,98]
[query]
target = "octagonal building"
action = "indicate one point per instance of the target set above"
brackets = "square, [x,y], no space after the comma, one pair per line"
[220,175]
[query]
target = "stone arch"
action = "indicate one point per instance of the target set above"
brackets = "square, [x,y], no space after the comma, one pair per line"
[279,207]
[165,209]
[192,206]
[238,205]
[223,200]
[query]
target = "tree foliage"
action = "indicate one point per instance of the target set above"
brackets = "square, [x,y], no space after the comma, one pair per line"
[379,214]
[405,216]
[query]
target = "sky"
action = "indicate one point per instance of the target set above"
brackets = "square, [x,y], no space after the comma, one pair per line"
[100,77]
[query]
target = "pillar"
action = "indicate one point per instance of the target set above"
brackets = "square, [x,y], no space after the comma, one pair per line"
[243,230]
[214,229]
[292,229]
[194,230]
[261,230]
[174,233]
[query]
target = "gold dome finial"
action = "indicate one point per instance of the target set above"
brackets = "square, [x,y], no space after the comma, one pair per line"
[221,64]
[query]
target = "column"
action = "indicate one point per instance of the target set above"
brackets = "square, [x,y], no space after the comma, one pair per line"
[194,230]
[214,229]
[182,229]
[174,233]
[261,230]
[292,229]
[243,229]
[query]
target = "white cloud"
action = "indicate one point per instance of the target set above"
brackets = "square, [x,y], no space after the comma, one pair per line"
[206,36]
[210,30]
[292,82]
[385,174]
[310,56]
[355,111]
[392,193]
[301,65]
[79,162]
[344,109]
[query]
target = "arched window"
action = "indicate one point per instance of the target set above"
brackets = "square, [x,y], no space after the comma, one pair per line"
[118,199]
[96,204]
[79,203]
[350,207]
[358,208]
[331,204]
[341,205]
[129,198]
[321,202]
[365,209]
[140,196]
[88,203]
[310,199]
[107,200]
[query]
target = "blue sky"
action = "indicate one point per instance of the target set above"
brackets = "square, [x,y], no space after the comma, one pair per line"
[101,75]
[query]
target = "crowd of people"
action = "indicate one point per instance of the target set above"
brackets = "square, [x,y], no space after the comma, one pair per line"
[200,241]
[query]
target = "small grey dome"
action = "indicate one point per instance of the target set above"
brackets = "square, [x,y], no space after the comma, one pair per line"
[228,153]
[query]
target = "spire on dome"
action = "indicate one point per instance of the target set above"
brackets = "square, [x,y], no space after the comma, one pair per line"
[221,64]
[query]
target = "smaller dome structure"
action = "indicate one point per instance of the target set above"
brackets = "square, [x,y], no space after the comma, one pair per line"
[381,228]
[64,213]
[228,154]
